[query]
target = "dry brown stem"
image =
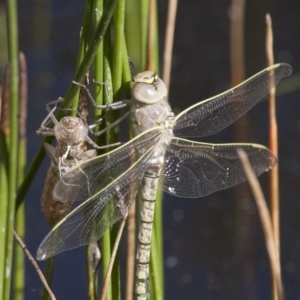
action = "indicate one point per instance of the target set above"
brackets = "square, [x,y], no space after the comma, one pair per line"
[266,222]
[35,265]
[273,145]
[169,38]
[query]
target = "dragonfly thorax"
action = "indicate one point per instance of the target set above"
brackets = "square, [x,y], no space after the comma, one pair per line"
[148,116]
[70,132]
[71,129]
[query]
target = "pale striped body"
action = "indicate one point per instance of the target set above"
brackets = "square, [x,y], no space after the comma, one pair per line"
[146,116]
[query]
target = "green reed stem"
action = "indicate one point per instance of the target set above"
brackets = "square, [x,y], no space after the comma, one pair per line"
[83,43]
[155,267]
[158,215]
[3,207]
[97,13]
[119,18]
[106,253]
[115,274]
[98,97]
[126,74]
[19,262]
[98,62]
[13,54]
[4,158]
[106,239]
[144,24]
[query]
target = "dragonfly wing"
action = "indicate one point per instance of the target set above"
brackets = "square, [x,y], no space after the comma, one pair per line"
[92,175]
[87,223]
[195,169]
[212,115]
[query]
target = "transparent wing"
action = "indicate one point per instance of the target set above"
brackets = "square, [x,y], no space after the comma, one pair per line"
[87,223]
[197,169]
[91,176]
[214,114]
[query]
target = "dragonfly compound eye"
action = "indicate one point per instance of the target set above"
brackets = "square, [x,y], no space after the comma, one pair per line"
[149,92]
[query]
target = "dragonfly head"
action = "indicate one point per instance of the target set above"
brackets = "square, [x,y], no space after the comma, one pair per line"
[147,87]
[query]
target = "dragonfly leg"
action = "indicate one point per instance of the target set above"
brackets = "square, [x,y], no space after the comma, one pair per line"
[110,104]
[93,144]
[44,130]
[55,102]
[98,133]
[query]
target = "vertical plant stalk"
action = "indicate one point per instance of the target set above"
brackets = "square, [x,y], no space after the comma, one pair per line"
[237,60]
[19,263]
[3,210]
[106,251]
[241,134]
[144,25]
[157,269]
[106,238]
[3,216]
[266,223]
[273,145]
[131,242]
[4,157]
[119,20]
[93,254]
[151,36]
[130,258]
[13,54]
[116,83]
[169,38]
[98,97]
[83,44]
[98,65]
[5,104]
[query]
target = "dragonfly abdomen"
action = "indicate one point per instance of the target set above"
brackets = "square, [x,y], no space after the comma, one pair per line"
[54,209]
[149,189]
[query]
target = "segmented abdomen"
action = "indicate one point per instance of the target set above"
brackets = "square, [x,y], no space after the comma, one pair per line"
[53,209]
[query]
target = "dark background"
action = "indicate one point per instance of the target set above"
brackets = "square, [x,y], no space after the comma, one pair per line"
[214,246]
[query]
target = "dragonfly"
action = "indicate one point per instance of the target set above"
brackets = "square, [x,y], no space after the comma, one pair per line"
[160,156]
[71,137]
